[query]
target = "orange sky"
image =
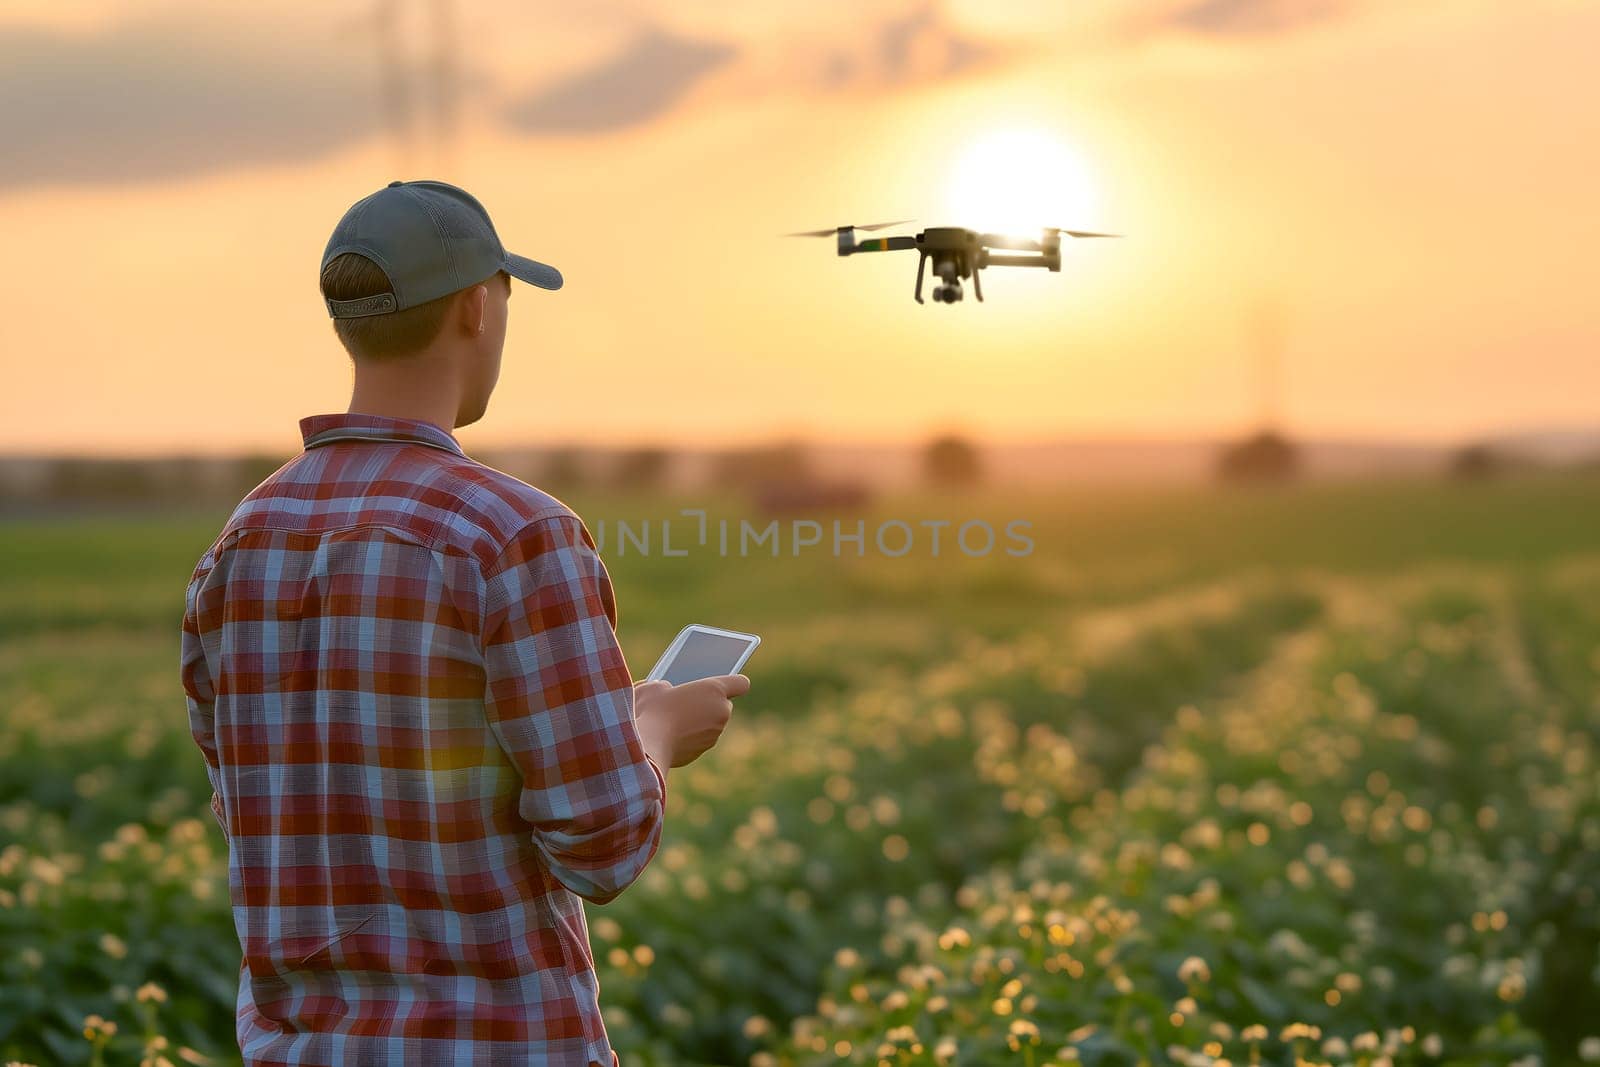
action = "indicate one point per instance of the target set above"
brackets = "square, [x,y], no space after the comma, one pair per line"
[1412,185]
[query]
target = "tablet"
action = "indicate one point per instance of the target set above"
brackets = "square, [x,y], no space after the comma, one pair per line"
[702,652]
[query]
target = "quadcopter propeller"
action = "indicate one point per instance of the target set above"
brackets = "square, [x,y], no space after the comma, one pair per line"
[841,229]
[1079,233]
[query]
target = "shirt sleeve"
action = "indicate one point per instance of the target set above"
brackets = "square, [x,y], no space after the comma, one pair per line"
[199,690]
[559,700]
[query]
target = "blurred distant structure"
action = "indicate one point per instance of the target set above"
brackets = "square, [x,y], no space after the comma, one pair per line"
[748,468]
[524,463]
[1267,455]
[782,480]
[1483,460]
[810,497]
[1476,462]
[951,462]
[562,470]
[641,468]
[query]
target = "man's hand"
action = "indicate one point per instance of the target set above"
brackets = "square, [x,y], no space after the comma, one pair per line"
[678,723]
[222,816]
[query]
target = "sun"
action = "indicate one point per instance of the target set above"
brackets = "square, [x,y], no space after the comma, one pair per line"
[1016,180]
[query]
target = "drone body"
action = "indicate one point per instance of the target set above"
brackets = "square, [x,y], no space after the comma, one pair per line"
[958,253]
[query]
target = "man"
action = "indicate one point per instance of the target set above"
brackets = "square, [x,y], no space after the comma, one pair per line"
[402,669]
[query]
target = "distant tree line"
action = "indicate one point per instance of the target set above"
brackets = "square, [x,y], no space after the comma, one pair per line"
[28,483]
[781,476]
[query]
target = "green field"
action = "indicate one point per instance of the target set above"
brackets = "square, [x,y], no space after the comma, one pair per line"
[1207,777]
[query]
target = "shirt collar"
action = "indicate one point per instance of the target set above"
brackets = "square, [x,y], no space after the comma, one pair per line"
[357,426]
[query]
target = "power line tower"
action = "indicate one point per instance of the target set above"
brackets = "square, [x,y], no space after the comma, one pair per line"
[1266,327]
[1267,454]
[407,85]
[445,99]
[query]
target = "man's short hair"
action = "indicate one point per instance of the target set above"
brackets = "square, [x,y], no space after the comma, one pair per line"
[394,335]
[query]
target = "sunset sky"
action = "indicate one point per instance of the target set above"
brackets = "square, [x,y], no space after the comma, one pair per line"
[1408,188]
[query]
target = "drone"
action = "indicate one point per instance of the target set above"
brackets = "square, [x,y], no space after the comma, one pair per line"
[957,253]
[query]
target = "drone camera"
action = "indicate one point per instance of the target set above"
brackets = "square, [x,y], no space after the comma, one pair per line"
[947,294]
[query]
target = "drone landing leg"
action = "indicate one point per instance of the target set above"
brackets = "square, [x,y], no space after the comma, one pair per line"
[977,283]
[922,261]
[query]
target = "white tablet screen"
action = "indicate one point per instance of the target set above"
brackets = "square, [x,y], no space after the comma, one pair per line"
[704,655]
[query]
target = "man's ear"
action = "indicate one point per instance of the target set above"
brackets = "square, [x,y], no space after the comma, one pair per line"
[474,309]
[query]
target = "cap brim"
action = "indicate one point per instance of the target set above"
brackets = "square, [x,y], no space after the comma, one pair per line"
[532,271]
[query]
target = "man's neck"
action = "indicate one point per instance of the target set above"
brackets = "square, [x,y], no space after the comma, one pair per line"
[409,389]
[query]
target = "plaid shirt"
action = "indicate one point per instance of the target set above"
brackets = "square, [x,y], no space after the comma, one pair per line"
[401,666]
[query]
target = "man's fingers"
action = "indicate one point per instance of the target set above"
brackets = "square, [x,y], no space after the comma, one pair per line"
[726,685]
[734,685]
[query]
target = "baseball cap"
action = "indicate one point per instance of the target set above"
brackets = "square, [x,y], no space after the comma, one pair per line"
[429,238]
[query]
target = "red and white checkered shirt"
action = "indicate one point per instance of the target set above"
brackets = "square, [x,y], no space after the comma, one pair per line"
[402,668]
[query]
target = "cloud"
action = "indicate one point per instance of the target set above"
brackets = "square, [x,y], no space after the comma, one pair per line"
[918,44]
[875,44]
[175,89]
[177,92]
[1250,17]
[635,85]
[926,28]
[1107,29]
[181,87]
